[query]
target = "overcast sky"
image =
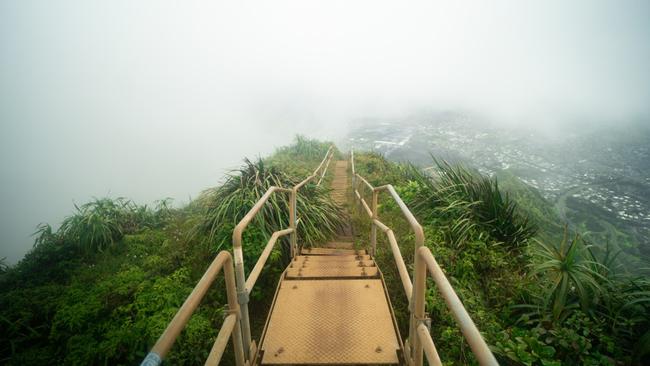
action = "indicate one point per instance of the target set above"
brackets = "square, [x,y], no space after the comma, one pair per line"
[154,99]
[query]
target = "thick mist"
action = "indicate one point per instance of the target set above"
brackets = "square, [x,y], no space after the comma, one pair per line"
[154,99]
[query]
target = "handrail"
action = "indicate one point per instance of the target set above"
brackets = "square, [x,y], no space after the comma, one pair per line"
[324,170]
[429,347]
[465,323]
[419,340]
[415,225]
[230,325]
[255,273]
[238,288]
[397,254]
[372,212]
[241,226]
[245,286]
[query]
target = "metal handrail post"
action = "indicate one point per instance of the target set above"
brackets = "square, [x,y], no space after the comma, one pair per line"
[373,227]
[292,221]
[240,276]
[238,344]
[416,307]
[231,294]
[354,173]
[359,189]
[242,298]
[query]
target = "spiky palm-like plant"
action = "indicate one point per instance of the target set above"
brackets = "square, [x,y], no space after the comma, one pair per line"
[571,274]
[470,200]
[103,221]
[225,206]
[97,224]
[491,208]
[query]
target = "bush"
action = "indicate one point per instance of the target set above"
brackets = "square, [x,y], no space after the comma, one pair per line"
[224,206]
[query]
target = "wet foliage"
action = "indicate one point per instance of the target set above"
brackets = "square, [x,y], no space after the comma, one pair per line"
[537,299]
[102,287]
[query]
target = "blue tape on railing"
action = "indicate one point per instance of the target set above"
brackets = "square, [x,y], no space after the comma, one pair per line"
[152,359]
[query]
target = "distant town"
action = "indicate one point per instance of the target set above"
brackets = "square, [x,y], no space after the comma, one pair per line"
[599,182]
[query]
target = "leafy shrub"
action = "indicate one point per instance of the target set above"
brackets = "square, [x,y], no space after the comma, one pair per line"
[471,199]
[304,149]
[535,303]
[100,223]
[226,205]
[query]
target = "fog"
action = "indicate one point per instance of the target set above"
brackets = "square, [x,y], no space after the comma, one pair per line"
[155,99]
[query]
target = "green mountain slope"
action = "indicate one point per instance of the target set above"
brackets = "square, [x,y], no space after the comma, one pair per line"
[539,294]
[102,289]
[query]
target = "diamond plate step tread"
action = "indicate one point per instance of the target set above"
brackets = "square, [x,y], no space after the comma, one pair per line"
[338,272]
[325,265]
[339,184]
[330,322]
[330,251]
[332,258]
[339,245]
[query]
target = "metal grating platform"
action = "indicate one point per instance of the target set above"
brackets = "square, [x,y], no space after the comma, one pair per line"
[330,251]
[330,322]
[339,245]
[333,272]
[331,258]
[332,264]
[340,182]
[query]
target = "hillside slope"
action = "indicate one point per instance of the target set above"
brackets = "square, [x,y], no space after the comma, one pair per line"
[102,289]
[539,294]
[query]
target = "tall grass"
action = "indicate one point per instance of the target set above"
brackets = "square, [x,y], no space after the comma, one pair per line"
[100,223]
[469,200]
[305,149]
[223,207]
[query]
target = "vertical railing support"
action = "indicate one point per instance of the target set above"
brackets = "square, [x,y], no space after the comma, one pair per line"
[373,227]
[354,173]
[292,221]
[417,307]
[237,341]
[242,299]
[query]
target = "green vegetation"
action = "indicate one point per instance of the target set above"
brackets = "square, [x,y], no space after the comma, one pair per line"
[539,297]
[102,287]
[222,207]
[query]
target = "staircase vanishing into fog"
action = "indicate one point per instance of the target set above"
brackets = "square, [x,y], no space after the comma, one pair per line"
[331,306]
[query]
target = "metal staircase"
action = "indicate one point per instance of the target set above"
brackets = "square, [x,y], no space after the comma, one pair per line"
[344,313]
[331,306]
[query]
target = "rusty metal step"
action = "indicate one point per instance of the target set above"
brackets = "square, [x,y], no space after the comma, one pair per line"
[330,322]
[337,264]
[332,258]
[331,251]
[339,244]
[331,272]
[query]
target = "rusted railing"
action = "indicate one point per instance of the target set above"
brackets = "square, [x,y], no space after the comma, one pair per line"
[238,288]
[245,286]
[231,324]
[419,339]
